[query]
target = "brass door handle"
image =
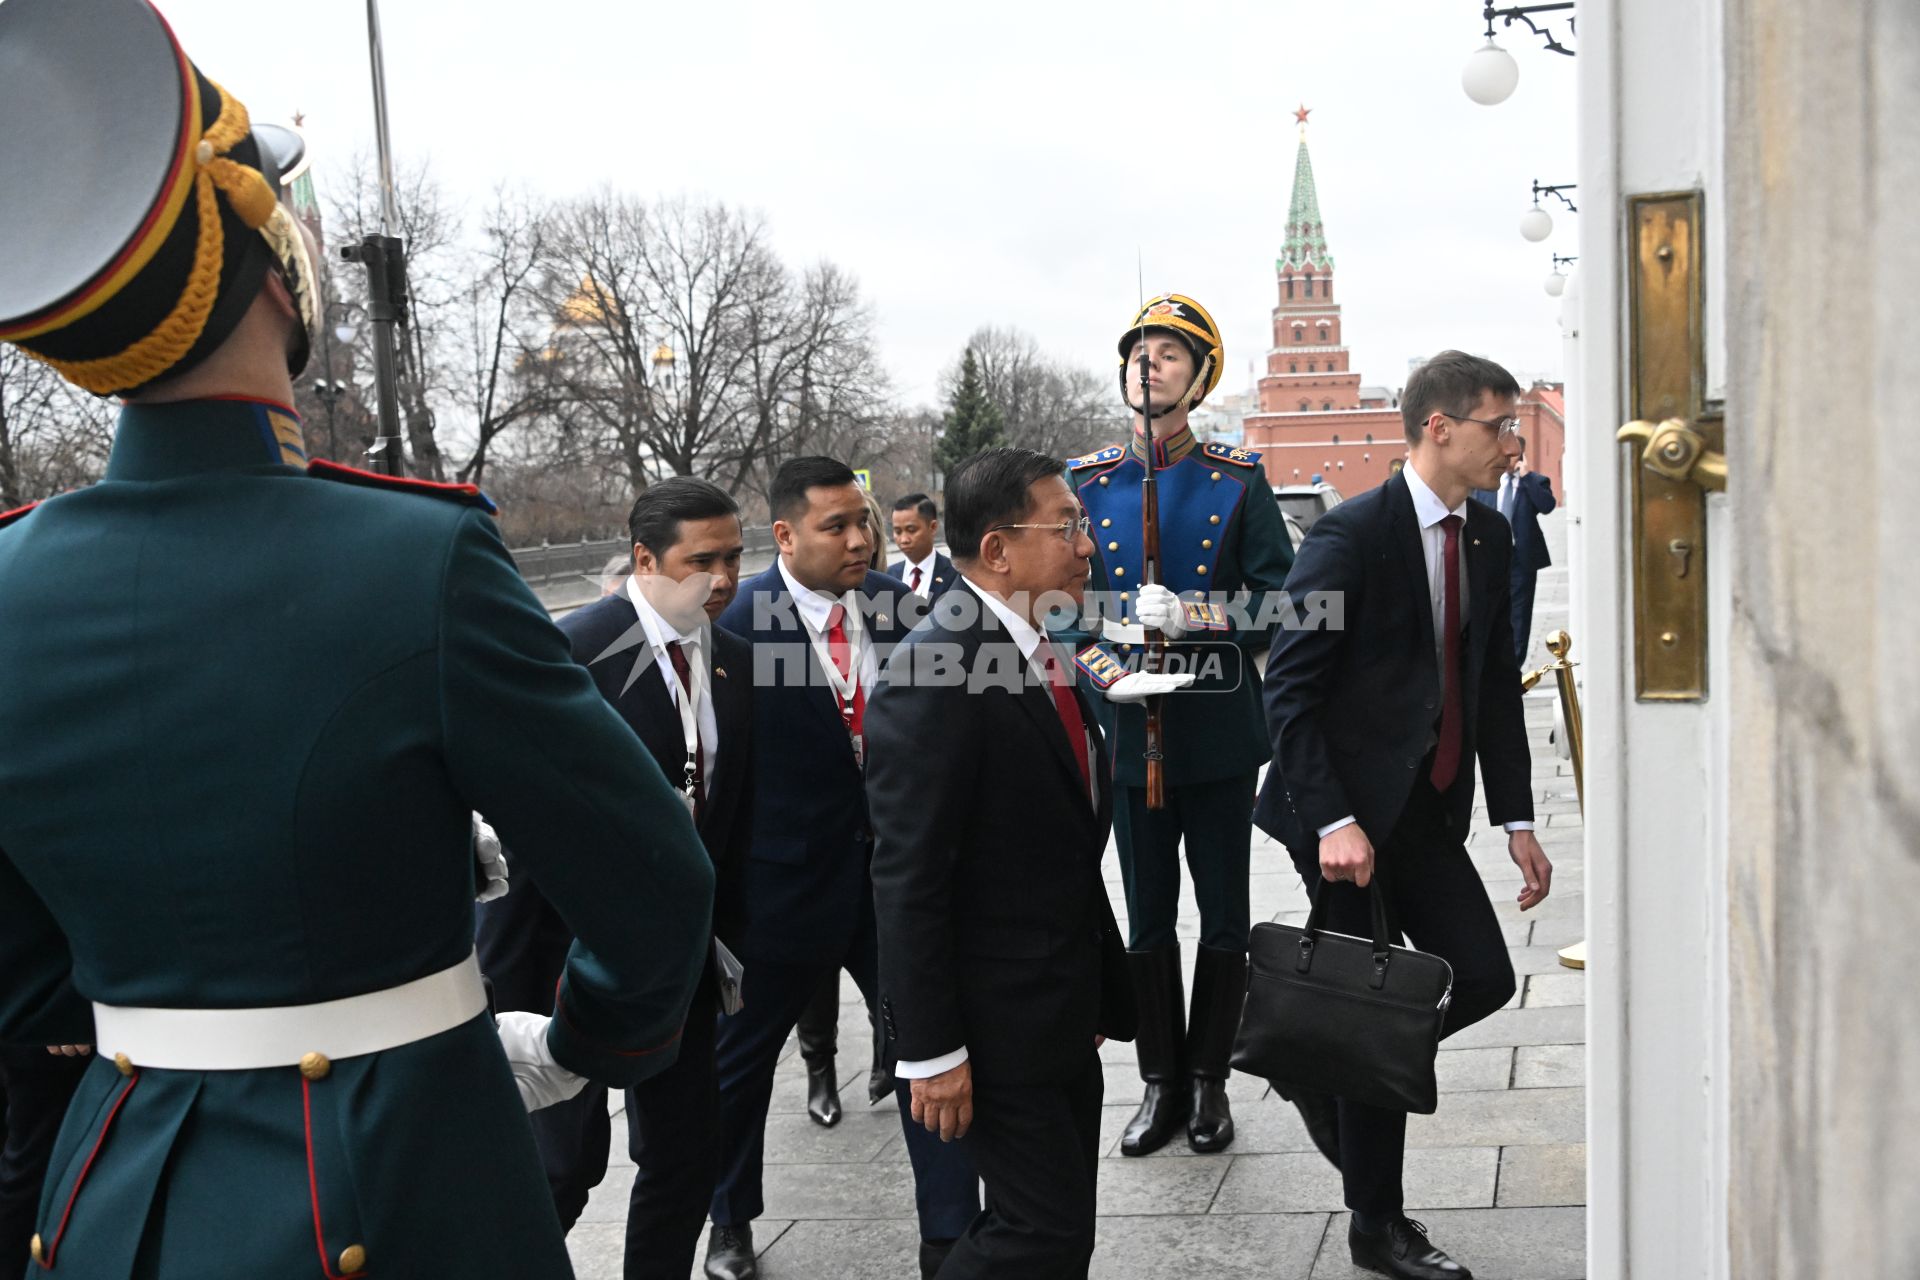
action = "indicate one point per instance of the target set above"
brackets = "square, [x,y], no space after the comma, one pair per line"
[1675,450]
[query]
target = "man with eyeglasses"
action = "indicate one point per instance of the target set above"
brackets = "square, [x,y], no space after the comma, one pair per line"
[1222,549]
[1523,497]
[1376,726]
[1000,962]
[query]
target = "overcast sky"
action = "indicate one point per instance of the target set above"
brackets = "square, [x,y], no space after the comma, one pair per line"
[988,162]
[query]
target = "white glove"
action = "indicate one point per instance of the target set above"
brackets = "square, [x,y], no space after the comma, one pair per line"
[541,1081]
[1158,609]
[1136,686]
[492,863]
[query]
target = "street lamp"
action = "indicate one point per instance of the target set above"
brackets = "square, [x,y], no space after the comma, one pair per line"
[1557,282]
[1536,224]
[1491,73]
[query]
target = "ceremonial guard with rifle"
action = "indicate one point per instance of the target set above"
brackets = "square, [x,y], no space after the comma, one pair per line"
[1188,542]
[236,785]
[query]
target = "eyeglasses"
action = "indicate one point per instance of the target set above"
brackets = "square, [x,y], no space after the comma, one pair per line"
[1503,428]
[1066,532]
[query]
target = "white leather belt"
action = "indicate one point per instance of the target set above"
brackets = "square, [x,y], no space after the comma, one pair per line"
[249,1039]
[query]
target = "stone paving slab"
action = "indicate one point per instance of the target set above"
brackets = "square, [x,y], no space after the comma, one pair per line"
[1566,1024]
[1503,1117]
[808,1191]
[1303,1182]
[1538,1176]
[1133,1187]
[1250,1246]
[1548,1066]
[875,1250]
[1564,987]
[1497,1244]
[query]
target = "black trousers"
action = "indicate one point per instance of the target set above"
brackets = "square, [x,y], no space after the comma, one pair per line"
[1037,1147]
[672,1136]
[1522,581]
[748,1048]
[1216,821]
[1435,900]
[35,1087]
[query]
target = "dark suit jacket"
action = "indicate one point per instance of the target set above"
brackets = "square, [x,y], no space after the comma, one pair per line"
[522,940]
[995,930]
[1532,498]
[945,576]
[1355,709]
[804,891]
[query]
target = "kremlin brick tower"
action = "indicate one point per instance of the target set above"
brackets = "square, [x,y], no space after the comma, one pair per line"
[1314,416]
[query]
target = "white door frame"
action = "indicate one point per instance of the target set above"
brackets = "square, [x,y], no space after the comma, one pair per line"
[1650,120]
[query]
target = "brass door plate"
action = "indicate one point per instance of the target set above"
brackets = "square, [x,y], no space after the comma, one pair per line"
[1665,291]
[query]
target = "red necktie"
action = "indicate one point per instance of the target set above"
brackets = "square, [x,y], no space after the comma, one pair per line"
[676,653]
[915,584]
[842,655]
[1446,755]
[1069,709]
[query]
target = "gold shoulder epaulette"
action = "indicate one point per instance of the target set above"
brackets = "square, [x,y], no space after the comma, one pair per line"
[1112,453]
[1232,453]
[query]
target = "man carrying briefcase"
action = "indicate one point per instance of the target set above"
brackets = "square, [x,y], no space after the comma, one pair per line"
[1376,723]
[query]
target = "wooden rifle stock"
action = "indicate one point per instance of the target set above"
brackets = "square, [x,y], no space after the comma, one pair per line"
[1155,641]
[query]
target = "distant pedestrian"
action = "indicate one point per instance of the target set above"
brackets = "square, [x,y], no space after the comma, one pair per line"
[916,526]
[1524,495]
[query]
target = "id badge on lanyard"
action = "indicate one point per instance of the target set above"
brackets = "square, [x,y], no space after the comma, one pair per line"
[844,688]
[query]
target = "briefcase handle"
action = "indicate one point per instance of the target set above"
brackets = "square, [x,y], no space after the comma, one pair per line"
[1382,949]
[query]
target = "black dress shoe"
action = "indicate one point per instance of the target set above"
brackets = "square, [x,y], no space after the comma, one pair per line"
[1210,1119]
[1402,1251]
[730,1253]
[932,1254]
[823,1093]
[1321,1114]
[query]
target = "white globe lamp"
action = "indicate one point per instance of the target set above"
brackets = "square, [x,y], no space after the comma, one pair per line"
[1490,74]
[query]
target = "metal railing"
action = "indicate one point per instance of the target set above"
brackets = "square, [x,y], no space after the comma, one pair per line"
[551,562]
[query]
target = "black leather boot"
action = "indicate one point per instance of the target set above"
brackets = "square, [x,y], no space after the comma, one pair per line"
[819,1032]
[1156,990]
[1219,991]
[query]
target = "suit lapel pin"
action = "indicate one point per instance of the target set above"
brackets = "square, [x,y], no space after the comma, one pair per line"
[880,618]
[720,672]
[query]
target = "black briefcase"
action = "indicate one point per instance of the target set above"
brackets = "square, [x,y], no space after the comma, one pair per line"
[1354,1017]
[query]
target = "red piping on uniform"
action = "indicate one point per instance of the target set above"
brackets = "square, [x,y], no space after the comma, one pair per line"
[313,1185]
[560,1009]
[320,464]
[16,513]
[74,1195]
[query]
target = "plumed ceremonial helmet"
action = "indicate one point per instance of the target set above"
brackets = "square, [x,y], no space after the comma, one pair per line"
[1178,313]
[139,208]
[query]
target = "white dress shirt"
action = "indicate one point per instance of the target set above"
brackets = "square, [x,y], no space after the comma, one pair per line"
[1028,640]
[1504,502]
[660,634]
[1429,511]
[926,573]
[815,607]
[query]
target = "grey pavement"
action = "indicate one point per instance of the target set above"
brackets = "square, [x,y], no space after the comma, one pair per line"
[1498,1174]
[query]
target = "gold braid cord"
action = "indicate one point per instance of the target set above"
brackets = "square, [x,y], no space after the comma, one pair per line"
[250,197]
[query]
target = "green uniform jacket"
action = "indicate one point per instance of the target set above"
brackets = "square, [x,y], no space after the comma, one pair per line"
[244,715]
[1221,539]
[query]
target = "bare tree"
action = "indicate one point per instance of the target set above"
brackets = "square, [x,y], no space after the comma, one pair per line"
[53,436]
[512,378]
[430,228]
[1046,404]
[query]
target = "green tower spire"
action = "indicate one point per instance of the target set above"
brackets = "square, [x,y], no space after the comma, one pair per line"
[1306,236]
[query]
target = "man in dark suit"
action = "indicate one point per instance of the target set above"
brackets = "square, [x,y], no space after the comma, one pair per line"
[820,623]
[1376,722]
[681,683]
[916,523]
[1523,497]
[1000,963]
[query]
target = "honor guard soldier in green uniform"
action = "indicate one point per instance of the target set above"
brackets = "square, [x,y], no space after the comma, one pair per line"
[1222,546]
[236,781]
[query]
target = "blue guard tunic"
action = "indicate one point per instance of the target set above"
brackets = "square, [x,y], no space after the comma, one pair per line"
[244,716]
[1223,548]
